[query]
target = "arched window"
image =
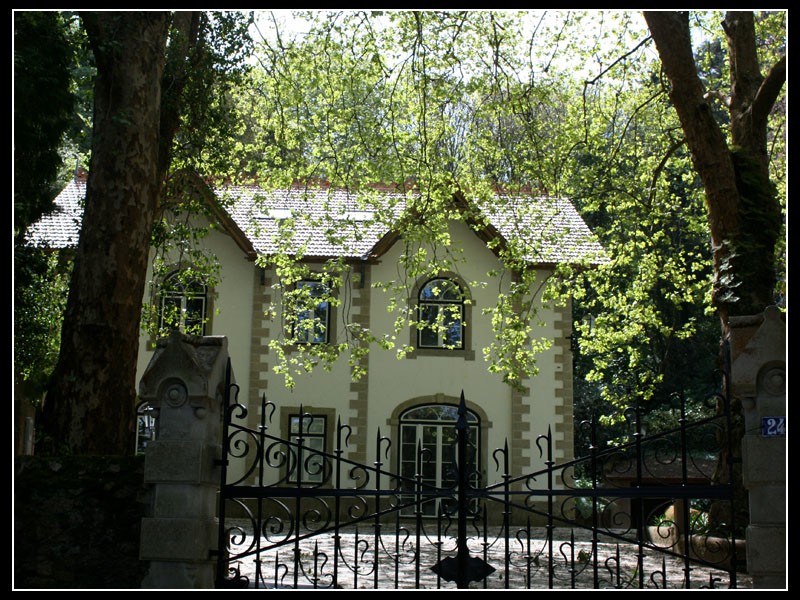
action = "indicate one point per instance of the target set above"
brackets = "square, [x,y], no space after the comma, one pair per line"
[183,304]
[441,315]
[428,442]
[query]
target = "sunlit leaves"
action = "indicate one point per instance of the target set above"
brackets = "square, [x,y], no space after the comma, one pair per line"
[642,314]
[560,103]
[438,102]
[180,255]
[214,68]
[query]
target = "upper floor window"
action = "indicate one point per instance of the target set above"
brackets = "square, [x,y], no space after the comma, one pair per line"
[312,320]
[441,315]
[183,304]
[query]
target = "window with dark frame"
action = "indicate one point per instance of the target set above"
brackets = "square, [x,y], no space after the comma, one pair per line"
[312,320]
[145,426]
[441,315]
[308,435]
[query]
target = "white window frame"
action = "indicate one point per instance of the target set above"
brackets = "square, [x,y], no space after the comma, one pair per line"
[448,312]
[308,434]
[436,446]
[185,295]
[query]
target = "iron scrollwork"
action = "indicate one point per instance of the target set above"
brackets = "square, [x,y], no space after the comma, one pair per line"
[618,516]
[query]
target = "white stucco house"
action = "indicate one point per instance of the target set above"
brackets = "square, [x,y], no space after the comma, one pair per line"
[409,398]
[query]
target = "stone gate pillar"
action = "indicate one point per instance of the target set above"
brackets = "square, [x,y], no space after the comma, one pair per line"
[758,379]
[185,383]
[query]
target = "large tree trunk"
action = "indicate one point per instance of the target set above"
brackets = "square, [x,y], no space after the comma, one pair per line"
[90,406]
[744,214]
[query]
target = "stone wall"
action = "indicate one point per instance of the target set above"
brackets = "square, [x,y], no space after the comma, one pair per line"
[77,522]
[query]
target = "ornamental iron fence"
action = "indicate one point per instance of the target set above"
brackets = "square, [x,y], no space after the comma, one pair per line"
[645,512]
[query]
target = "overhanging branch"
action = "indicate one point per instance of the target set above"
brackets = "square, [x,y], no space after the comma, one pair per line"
[768,92]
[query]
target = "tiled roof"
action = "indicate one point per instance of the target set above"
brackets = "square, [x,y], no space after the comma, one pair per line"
[61,228]
[314,222]
[323,222]
[548,230]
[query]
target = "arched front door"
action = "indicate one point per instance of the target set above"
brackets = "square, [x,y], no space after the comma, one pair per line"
[428,449]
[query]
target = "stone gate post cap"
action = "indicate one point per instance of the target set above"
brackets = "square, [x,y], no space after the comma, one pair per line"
[198,362]
[766,346]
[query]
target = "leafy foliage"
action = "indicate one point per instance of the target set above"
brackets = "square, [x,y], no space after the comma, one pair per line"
[644,310]
[43,104]
[216,66]
[441,102]
[41,282]
[400,99]
[180,256]
[200,87]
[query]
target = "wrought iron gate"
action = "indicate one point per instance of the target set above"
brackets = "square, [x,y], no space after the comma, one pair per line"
[581,523]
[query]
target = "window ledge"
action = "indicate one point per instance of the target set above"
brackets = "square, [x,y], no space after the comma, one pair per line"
[290,347]
[442,353]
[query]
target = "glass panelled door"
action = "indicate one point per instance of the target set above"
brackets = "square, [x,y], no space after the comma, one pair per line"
[428,454]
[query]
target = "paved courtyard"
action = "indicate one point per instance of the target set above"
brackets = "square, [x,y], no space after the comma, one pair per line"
[398,567]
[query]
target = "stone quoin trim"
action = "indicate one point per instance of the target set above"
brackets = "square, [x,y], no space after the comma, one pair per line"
[259,340]
[564,434]
[361,294]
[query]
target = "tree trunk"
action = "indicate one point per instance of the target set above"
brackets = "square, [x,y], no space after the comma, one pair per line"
[90,406]
[744,214]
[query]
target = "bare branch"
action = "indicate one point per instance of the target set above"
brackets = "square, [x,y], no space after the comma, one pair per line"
[660,168]
[619,60]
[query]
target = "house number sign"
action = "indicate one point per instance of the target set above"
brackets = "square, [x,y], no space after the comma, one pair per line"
[773,426]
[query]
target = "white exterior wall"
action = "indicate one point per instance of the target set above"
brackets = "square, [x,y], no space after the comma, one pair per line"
[238,304]
[394,382]
[373,403]
[231,309]
[231,303]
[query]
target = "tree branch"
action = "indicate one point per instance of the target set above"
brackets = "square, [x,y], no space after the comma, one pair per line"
[619,60]
[661,165]
[176,73]
[716,94]
[746,75]
[769,90]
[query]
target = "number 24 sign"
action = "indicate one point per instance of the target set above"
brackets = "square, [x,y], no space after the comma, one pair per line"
[773,426]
